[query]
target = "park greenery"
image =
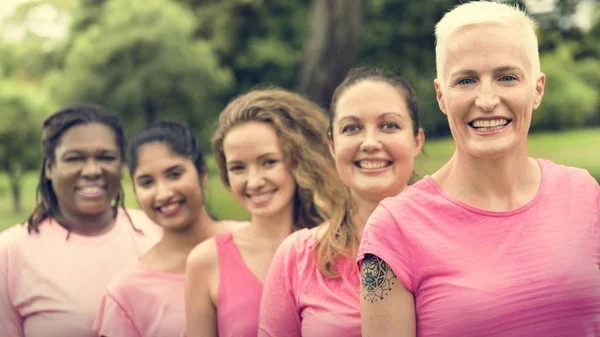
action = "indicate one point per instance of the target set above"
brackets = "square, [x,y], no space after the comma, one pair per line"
[184,60]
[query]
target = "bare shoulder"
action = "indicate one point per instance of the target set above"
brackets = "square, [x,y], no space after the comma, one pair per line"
[204,256]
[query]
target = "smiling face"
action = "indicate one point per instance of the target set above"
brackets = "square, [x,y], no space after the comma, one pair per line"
[374,144]
[86,171]
[258,173]
[489,93]
[167,187]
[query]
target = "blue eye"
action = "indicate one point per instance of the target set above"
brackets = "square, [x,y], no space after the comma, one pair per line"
[350,128]
[465,81]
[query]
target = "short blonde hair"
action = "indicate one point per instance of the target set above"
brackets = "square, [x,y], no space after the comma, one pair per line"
[485,12]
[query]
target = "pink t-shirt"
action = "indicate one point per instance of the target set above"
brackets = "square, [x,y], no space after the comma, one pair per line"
[51,286]
[143,302]
[239,292]
[533,271]
[299,301]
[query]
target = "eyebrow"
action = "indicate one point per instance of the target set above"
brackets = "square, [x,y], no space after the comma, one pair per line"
[168,169]
[502,69]
[259,157]
[380,116]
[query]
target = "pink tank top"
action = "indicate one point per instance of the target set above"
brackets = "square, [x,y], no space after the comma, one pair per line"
[238,301]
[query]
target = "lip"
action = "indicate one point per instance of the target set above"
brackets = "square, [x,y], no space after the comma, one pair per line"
[80,190]
[171,212]
[265,197]
[493,132]
[374,170]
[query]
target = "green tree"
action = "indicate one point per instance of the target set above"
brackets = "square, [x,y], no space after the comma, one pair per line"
[23,107]
[141,60]
[569,101]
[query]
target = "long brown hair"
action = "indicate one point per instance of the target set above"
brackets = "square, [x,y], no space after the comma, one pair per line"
[340,238]
[301,127]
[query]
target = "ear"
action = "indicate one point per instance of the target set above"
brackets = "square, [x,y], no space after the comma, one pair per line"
[419,141]
[331,148]
[48,170]
[439,95]
[540,85]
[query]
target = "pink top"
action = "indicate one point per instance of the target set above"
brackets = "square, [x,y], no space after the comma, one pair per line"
[239,292]
[51,286]
[298,300]
[533,271]
[143,302]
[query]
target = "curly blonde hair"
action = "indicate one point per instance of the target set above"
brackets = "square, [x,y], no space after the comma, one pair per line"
[301,127]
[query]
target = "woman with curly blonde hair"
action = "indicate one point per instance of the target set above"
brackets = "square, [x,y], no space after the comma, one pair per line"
[271,149]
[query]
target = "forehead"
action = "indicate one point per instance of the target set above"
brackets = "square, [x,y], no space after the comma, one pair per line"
[157,156]
[88,137]
[249,141]
[484,47]
[368,99]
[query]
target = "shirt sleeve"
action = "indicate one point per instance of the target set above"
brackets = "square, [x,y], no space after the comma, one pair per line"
[279,312]
[113,320]
[384,238]
[11,322]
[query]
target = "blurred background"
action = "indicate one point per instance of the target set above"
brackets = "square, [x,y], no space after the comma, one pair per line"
[183,60]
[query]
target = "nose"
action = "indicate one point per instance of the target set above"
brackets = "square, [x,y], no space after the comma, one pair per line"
[371,142]
[256,180]
[487,98]
[91,170]
[163,192]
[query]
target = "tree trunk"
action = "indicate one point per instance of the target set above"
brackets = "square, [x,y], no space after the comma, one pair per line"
[15,173]
[332,47]
[149,111]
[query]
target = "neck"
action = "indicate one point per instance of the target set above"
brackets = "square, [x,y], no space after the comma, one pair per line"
[88,225]
[181,242]
[273,228]
[498,184]
[170,254]
[360,213]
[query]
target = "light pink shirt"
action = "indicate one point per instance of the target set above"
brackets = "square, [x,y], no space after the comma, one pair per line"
[298,300]
[51,286]
[143,302]
[533,271]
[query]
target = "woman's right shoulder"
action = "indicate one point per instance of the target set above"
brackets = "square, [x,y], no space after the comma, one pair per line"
[297,249]
[13,235]
[204,255]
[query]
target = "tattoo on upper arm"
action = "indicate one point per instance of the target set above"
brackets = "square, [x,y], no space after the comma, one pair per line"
[376,278]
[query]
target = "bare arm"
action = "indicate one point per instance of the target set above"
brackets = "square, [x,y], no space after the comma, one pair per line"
[387,308]
[200,311]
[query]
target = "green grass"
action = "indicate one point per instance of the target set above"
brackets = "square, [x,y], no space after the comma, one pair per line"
[579,148]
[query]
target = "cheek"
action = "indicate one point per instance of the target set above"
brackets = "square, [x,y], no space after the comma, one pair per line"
[346,150]
[236,184]
[144,198]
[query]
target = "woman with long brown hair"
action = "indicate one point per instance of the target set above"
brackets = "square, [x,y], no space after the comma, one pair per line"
[374,137]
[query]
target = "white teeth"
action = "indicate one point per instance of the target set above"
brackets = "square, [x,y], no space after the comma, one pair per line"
[169,208]
[489,123]
[91,190]
[372,165]
[260,198]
